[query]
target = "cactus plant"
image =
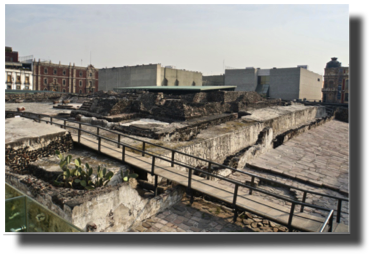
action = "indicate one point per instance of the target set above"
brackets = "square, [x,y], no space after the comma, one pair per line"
[78,177]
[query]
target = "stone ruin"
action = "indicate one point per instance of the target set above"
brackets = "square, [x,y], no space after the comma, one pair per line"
[188,114]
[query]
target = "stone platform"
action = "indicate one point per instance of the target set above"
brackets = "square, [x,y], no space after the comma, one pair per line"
[24,132]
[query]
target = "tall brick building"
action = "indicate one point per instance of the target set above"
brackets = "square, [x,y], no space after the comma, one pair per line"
[49,76]
[10,55]
[336,83]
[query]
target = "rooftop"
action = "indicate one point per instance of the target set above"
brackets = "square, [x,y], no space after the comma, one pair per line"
[178,88]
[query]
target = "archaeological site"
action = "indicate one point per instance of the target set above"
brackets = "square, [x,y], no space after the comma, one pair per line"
[144,161]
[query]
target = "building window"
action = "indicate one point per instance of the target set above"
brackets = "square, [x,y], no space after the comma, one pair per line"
[330,84]
[346,97]
[80,91]
[80,83]
[90,74]
[64,82]
[18,79]
[45,81]
[80,74]
[18,87]
[318,79]
[26,88]
[64,72]
[9,78]
[45,89]
[55,71]
[90,84]
[26,79]
[9,87]
[64,90]
[346,84]
[45,70]
[55,81]
[176,83]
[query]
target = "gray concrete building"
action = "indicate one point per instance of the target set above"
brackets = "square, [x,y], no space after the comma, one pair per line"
[147,75]
[245,79]
[214,80]
[295,83]
[285,83]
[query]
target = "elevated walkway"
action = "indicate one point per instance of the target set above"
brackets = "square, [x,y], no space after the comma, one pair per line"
[251,203]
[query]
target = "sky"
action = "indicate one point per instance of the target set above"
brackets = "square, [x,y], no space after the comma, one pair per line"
[204,38]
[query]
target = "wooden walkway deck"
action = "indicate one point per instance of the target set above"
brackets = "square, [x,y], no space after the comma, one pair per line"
[251,203]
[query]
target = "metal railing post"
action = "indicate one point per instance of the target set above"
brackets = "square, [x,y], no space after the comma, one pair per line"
[39,118]
[51,120]
[303,201]
[118,139]
[339,210]
[234,203]
[79,132]
[156,186]
[172,158]
[251,184]
[209,169]
[331,223]
[152,166]
[143,148]
[189,184]
[98,130]
[123,153]
[99,144]
[64,124]
[290,217]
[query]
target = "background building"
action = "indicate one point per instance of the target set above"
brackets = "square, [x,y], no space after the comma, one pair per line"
[10,55]
[336,83]
[18,76]
[284,83]
[147,75]
[214,80]
[48,76]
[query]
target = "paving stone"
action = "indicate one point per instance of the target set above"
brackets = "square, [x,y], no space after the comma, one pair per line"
[145,224]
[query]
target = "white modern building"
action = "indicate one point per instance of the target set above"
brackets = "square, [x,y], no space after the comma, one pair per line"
[18,76]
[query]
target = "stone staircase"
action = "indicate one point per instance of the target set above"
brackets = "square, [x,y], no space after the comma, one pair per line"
[86,106]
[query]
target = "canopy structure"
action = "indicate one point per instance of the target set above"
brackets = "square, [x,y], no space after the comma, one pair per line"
[177,89]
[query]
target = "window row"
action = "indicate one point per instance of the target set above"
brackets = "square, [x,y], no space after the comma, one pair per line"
[64,72]
[18,79]
[64,82]
[18,87]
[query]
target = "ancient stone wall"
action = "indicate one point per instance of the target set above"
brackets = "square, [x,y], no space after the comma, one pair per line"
[109,209]
[18,157]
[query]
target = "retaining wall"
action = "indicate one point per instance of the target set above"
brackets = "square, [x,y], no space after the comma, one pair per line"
[110,209]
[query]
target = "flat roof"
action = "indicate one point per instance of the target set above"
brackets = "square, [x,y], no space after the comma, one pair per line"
[178,88]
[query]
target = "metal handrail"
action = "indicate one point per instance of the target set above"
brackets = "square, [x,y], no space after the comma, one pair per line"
[328,221]
[198,158]
[172,161]
[237,184]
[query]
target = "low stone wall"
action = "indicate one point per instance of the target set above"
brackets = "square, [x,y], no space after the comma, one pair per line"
[218,142]
[106,209]
[176,131]
[18,155]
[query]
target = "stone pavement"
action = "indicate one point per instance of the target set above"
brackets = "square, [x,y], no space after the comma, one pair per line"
[204,216]
[318,158]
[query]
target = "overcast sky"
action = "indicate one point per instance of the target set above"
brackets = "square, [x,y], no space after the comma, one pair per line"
[193,37]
